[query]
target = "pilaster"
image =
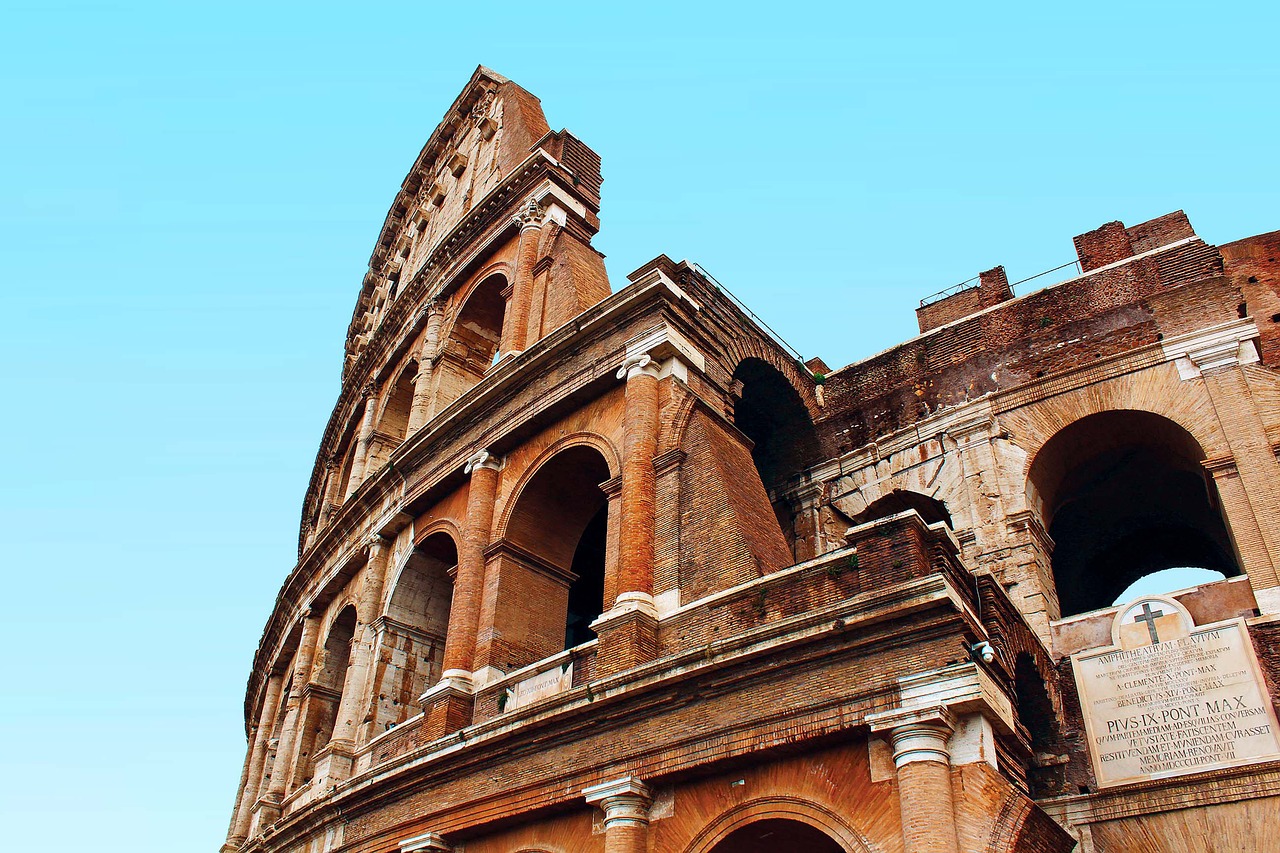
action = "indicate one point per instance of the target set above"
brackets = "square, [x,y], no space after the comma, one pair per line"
[625,803]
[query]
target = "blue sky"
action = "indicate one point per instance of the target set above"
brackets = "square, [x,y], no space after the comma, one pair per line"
[189,195]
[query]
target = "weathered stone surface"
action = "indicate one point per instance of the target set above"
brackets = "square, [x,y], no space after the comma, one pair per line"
[584,570]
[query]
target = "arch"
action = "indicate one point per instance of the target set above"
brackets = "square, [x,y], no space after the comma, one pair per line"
[931,509]
[552,551]
[771,413]
[1124,494]
[411,633]
[394,421]
[471,343]
[595,441]
[555,504]
[771,834]
[824,820]
[796,374]
[328,674]
[478,324]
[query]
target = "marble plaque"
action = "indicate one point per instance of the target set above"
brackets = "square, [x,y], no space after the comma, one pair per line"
[1170,697]
[540,686]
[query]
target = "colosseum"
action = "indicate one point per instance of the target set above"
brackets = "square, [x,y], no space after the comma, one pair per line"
[586,567]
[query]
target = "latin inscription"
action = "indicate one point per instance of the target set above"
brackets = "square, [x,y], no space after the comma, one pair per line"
[1177,706]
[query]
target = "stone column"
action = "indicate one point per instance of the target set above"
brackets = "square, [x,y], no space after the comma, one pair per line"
[628,631]
[267,809]
[625,803]
[448,704]
[257,758]
[923,763]
[363,438]
[420,410]
[340,750]
[639,483]
[515,328]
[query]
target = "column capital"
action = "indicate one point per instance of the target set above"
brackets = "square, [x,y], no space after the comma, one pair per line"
[917,735]
[482,459]
[529,216]
[635,365]
[369,390]
[374,541]
[625,801]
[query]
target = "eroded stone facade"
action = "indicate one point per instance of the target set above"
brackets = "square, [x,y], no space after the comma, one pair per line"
[585,570]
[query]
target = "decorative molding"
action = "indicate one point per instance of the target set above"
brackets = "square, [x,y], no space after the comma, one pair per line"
[1226,345]
[625,801]
[635,365]
[482,459]
[428,842]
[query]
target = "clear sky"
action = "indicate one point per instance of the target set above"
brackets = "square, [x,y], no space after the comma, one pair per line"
[189,194]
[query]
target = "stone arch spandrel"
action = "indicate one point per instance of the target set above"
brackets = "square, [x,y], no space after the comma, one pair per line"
[1158,391]
[819,817]
[675,417]
[1021,827]
[829,788]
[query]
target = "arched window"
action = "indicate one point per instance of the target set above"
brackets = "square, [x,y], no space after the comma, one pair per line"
[411,635]
[394,424]
[474,340]
[770,412]
[554,553]
[329,671]
[1123,495]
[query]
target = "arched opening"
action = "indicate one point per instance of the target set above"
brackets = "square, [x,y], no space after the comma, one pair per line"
[343,482]
[769,411]
[931,510]
[554,553]
[394,424]
[411,634]
[1166,581]
[1123,495]
[473,342]
[330,671]
[775,834]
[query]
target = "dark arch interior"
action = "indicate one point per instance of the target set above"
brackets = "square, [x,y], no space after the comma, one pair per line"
[777,835]
[1124,495]
[562,518]
[771,414]
[586,593]
[1035,708]
[931,510]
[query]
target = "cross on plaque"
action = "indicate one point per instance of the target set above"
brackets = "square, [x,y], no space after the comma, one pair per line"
[1149,616]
